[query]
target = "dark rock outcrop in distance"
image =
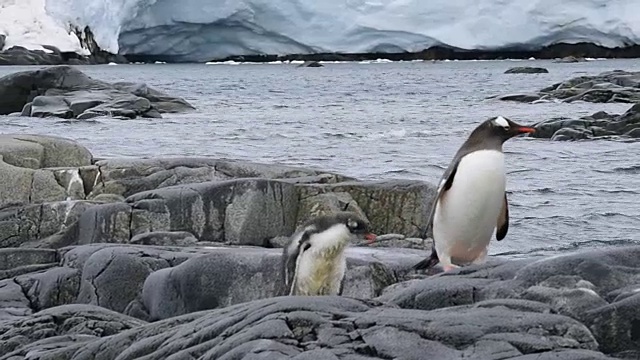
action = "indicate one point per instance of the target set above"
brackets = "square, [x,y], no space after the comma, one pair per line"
[570,59]
[556,51]
[597,125]
[66,92]
[177,258]
[310,64]
[527,70]
[18,55]
[607,87]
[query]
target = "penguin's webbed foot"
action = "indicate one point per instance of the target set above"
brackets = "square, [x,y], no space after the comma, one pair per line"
[449,267]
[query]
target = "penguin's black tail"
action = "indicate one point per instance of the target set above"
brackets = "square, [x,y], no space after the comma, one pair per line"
[429,262]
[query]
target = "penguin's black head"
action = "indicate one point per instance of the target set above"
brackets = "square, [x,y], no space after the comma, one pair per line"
[356,225]
[505,129]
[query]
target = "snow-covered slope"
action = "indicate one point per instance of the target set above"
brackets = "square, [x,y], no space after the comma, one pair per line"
[26,23]
[200,30]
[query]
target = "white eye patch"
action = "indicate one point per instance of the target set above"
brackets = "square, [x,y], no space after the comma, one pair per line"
[500,121]
[352,224]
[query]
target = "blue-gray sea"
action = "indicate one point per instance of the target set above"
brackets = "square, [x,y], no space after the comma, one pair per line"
[387,120]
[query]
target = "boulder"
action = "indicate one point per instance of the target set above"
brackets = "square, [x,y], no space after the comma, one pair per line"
[54,287]
[527,70]
[14,304]
[42,151]
[47,106]
[64,91]
[31,225]
[607,87]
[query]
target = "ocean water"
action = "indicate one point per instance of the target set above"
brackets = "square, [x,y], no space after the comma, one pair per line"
[387,120]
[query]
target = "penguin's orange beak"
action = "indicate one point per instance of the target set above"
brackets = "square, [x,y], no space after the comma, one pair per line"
[525,130]
[370,237]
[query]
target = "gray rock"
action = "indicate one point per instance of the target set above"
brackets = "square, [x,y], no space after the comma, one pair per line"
[113,277]
[597,125]
[527,70]
[571,134]
[228,276]
[392,206]
[65,91]
[32,225]
[18,55]
[570,59]
[310,64]
[325,203]
[68,325]
[577,285]
[165,238]
[130,176]
[14,303]
[520,97]
[42,151]
[47,106]
[324,327]
[11,257]
[53,287]
[634,133]
[611,86]
[162,103]
[244,211]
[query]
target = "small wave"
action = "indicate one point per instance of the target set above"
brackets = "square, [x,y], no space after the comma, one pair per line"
[544,190]
[392,134]
[401,172]
[620,191]
[635,169]
[339,135]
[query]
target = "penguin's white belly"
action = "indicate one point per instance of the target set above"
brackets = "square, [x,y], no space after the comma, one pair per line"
[467,213]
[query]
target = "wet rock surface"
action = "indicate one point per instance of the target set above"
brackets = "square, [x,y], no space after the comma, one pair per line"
[180,258]
[527,70]
[597,125]
[608,87]
[66,92]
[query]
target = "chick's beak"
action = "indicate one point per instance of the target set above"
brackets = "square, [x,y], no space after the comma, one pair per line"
[370,237]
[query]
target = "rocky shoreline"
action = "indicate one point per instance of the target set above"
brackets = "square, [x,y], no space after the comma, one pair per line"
[615,86]
[561,52]
[173,258]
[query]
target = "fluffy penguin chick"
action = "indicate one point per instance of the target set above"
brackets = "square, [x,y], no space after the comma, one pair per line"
[314,262]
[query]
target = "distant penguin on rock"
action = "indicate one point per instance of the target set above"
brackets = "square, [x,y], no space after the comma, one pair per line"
[314,263]
[471,200]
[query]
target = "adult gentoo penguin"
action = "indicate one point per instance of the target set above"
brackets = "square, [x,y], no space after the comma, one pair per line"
[471,201]
[313,263]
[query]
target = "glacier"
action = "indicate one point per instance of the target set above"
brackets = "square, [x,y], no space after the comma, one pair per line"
[26,23]
[203,30]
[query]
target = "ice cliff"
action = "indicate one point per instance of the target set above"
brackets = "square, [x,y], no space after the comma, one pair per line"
[26,23]
[200,30]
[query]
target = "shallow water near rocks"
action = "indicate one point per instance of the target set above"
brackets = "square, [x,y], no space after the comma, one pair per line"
[387,120]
